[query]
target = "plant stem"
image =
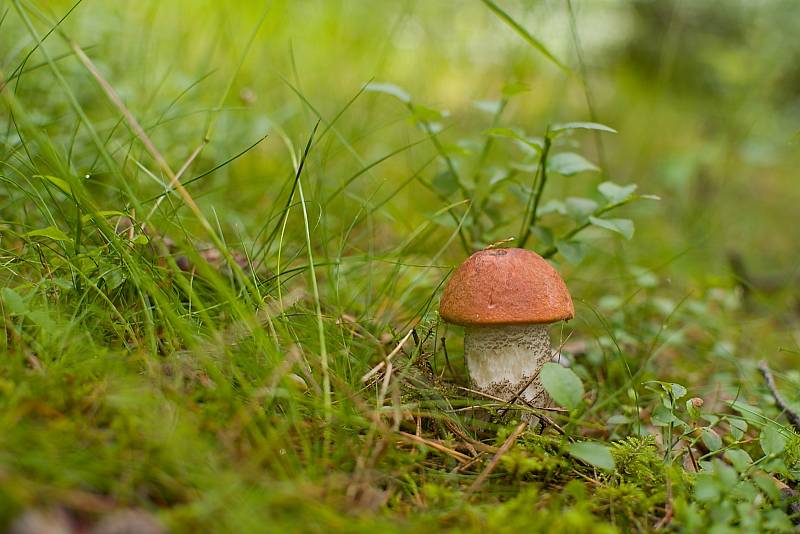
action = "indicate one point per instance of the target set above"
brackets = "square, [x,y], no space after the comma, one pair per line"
[487,147]
[537,196]
[572,233]
[323,350]
[465,243]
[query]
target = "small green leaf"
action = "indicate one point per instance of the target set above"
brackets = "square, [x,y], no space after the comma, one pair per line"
[624,227]
[51,231]
[751,414]
[511,89]
[544,236]
[772,441]
[775,465]
[615,193]
[646,278]
[566,126]
[552,206]
[140,239]
[711,418]
[446,183]
[504,132]
[488,106]
[592,453]
[663,416]
[678,391]
[428,114]
[739,459]
[767,484]
[42,319]
[102,213]
[562,384]
[388,89]
[725,474]
[618,420]
[711,439]
[15,303]
[573,251]
[60,183]
[738,428]
[570,164]
[532,142]
[444,220]
[706,488]
[579,208]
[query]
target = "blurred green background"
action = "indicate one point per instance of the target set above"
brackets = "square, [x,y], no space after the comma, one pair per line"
[703,94]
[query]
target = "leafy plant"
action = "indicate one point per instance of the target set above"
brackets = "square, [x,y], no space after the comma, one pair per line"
[477,180]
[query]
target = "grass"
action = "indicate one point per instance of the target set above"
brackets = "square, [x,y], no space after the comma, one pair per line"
[224,235]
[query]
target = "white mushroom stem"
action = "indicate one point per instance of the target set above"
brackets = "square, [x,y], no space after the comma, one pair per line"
[502,359]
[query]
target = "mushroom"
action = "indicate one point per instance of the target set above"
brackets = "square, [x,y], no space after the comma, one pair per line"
[506,299]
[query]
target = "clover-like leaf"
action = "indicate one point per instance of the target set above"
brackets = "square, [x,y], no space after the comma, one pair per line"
[534,143]
[593,453]
[624,227]
[570,164]
[579,208]
[562,384]
[711,439]
[567,126]
[573,251]
[615,193]
[772,440]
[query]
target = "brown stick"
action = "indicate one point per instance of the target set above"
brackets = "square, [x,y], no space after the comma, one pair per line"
[372,372]
[447,357]
[496,459]
[668,508]
[460,456]
[498,399]
[779,400]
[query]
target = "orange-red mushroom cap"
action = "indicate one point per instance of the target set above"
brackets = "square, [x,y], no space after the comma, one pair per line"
[505,286]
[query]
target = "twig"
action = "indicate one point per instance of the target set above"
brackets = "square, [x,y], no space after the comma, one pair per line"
[513,400]
[695,465]
[387,377]
[470,443]
[539,409]
[372,372]
[779,400]
[463,467]
[498,399]
[447,357]
[178,175]
[496,459]
[460,456]
[664,521]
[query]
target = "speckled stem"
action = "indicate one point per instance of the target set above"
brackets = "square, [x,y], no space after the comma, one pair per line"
[501,359]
